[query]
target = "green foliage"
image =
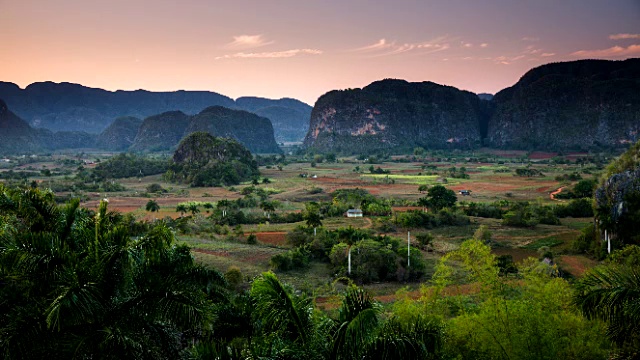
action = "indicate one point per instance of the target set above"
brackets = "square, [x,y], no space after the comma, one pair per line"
[482,234]
[612,293]
[296,258]
[627,256]
[152,206]
[204,160]
[79,285]
[534,319]
[252,239]
[129,165]
[528,172]
[440,197]
[420,219]
[155,188]
[575,208]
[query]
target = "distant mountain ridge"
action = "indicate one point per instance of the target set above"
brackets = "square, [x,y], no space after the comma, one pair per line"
[16,136]
[74,107]
[155,133]
[579,105]
[164,131]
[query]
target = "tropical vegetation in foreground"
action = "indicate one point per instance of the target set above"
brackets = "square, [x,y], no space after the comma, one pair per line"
[83,284]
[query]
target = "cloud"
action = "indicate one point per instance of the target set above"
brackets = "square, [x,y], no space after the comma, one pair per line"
[624,36]
[612,52]
[248,41]
[467,45]
[272,54]
[547,54]
[484,45]
[531,39]
[381,44]
[383,47]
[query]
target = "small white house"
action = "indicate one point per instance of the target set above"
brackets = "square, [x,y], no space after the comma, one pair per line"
[353,213]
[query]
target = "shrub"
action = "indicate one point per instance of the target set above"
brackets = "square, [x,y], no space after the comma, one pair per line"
[252,239]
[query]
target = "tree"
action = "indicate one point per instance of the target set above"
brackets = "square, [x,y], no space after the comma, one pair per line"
[223,205]
[422,188]
[612,293]
[152,206]
[268,207]
[424,202]
[313,219]
[193,208]
[181,208]
[78,285]
[440,197]
[585,188]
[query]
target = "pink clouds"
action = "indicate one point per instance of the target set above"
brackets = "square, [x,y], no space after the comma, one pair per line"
[272,54]
[612,52]
[248,41]
[624,36]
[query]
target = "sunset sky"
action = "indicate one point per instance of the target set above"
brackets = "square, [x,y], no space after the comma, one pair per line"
[302,49]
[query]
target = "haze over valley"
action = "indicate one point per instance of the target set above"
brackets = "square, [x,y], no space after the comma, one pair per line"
[320,179]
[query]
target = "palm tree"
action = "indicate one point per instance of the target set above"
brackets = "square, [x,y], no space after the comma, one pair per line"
[193,207]
[612,293]
[361,334]
[286,319]
[424,202]
[152,206]
[181,208]
[313,218]
[223,205]
[77,285]
[268,207]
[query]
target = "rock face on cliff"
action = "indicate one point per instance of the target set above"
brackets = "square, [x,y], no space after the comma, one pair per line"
[164,131]
[290,117]
[579,105]
[119,136]
[396,114]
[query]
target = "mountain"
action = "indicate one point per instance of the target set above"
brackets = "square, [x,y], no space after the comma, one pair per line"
[290,117]
[205,160]
[119,136]
[66,106]
[396,114]
[161,132]
[251,130]
[73,107]
[578,105]
[15,134]
[164,131]
[485,96]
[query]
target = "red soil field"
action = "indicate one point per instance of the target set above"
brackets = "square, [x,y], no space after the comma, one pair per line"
[272,238]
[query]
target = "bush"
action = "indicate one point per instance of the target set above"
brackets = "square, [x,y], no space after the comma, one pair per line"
[155,188]
[296,258]
[252,239]
[425,240]
[578,208]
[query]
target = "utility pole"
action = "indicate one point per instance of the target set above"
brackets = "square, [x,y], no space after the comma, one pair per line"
[408,249]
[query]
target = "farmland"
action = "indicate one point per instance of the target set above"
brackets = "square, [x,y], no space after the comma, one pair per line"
[489,175]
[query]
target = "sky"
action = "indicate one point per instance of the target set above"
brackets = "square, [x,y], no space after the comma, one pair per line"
[304,48]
